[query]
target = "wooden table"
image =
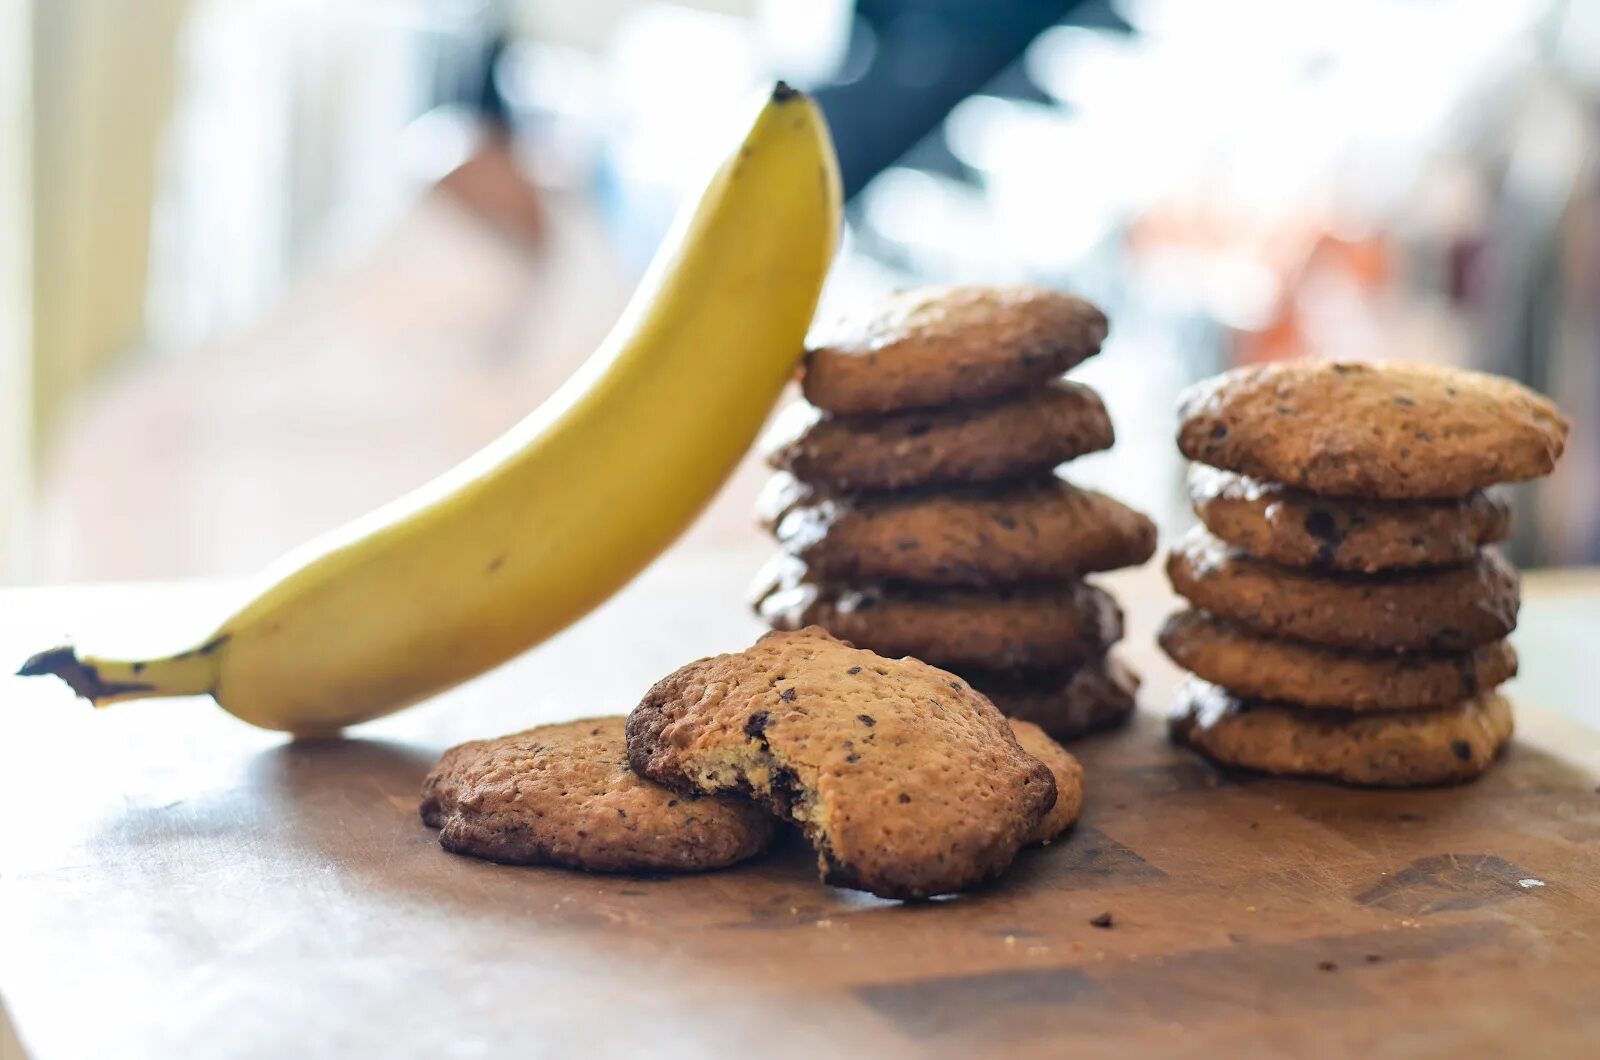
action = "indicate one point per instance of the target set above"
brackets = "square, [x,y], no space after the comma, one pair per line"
[176,884]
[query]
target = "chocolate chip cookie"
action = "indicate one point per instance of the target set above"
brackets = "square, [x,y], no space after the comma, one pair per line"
[1257,667]
[1387,749]
[937,346]
[976,536]
[1094,696]
[564,795]
[907,782]
[1395,431]
[1069,780]
[1035,627]
[1301,529]
[1448,609]
[990,442]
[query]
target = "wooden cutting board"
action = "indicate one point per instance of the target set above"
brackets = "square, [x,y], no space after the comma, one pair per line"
[176,884]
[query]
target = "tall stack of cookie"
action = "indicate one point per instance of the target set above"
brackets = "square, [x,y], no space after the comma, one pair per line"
[918,509]
[1350,610]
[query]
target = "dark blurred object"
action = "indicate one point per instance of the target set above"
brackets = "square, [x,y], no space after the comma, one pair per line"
[910,61]
[488,178]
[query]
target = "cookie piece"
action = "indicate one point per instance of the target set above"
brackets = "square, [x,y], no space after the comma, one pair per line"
[1036,627]
[937,346]
[1447,609]
[906,781]
[1069,780]
[564,795]
[1303,530]
[1395,431]
[1095,696]
[1258,667]
[990,442]
[1390,749]
[976,537]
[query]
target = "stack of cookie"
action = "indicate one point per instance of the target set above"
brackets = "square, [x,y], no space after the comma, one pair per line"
[919,512]
[1350,608]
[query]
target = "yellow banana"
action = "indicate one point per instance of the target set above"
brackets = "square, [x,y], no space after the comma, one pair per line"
[547,522]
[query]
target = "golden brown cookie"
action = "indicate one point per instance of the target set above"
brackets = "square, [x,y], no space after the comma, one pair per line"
[1038,627]
[1009,438]
[564,795]
[1069,780]
[976,536]
[938,346]
[1301,529]
[1094,696]
[1446,609]
[1397,431]
[906,781]
[1258,667]
[1389,749]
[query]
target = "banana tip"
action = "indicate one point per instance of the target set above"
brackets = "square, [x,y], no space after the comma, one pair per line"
[81,677]
[783,92]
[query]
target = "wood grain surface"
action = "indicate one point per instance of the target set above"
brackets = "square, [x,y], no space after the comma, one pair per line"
[176,884]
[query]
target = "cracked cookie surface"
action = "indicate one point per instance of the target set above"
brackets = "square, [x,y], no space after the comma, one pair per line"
[1384,430]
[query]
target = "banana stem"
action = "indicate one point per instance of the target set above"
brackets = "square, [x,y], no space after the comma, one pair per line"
[106,681]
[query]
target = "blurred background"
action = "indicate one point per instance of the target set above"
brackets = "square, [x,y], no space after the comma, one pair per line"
[264,266]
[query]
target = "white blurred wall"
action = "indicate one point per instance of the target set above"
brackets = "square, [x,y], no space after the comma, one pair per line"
[16,423]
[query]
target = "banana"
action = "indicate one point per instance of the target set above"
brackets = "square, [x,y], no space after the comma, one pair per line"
[545,523]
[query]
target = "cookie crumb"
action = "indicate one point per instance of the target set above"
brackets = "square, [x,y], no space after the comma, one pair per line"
[1104,920]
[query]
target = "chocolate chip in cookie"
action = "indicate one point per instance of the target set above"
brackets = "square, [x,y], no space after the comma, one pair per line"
[1300,529]
[564,795]
[1386,430]
[936,346]
[906,782]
